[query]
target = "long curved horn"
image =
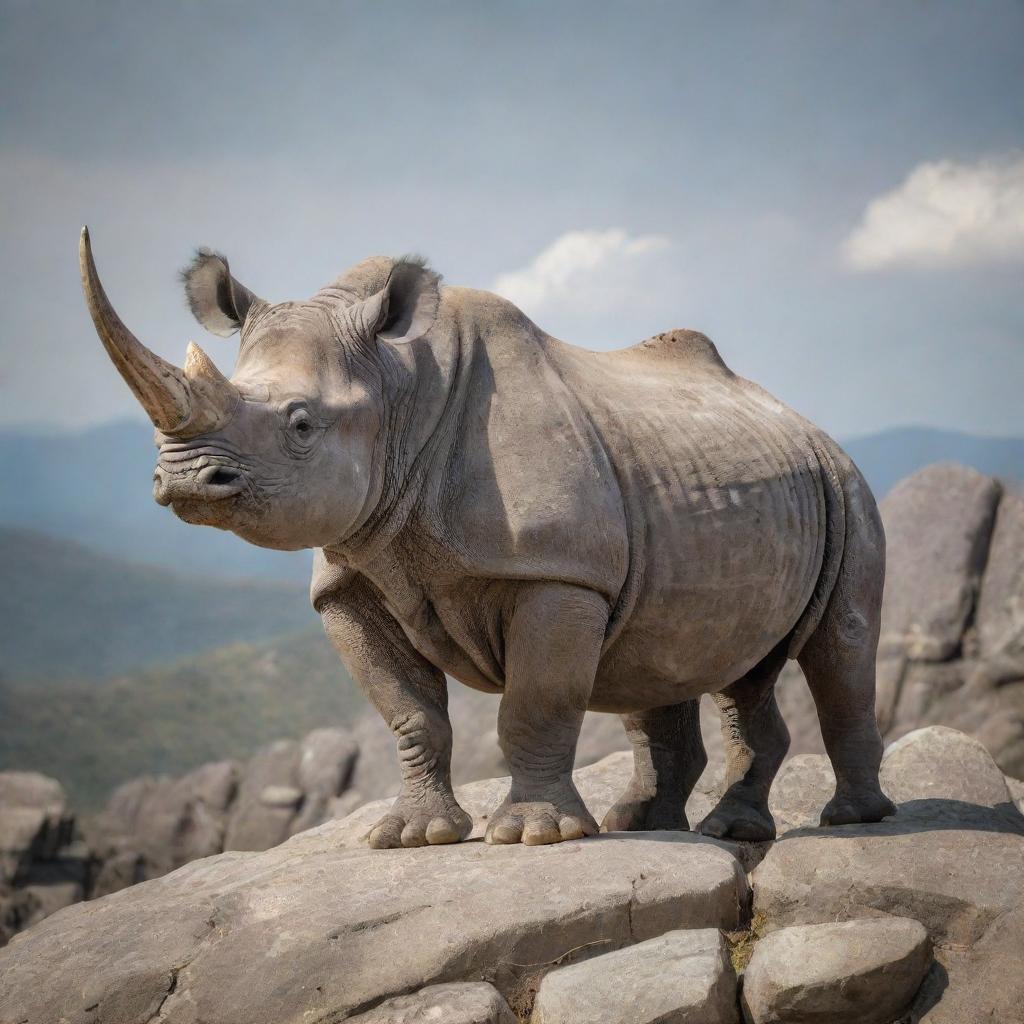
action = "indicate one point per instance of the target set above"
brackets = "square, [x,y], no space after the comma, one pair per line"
[179,402]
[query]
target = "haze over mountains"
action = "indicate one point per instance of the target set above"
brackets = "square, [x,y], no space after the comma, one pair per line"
[187,644]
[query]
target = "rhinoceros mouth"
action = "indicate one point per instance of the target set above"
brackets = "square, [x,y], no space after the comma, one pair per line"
[195,477]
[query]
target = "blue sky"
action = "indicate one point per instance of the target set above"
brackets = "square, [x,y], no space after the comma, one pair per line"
[833,192]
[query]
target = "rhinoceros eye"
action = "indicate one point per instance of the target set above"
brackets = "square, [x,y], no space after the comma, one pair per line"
[300,423]
[301,432]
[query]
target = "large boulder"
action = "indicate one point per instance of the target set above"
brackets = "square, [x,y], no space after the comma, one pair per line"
[34,821]
[938,763]
[159,823]
[317,928]
[1000,616]
[327,758]
[268,799]
[804,785]
[938,522]
[152,825]
[43,867]
[681,977]
[853,972]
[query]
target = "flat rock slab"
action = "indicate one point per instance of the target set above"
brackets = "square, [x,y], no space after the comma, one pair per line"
[682,977]
[457,1003]
[311,930]
[855,972]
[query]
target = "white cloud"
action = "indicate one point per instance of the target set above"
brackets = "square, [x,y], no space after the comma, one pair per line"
[587,269]
[944,214]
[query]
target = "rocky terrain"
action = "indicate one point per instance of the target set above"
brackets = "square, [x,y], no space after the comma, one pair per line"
[917,918]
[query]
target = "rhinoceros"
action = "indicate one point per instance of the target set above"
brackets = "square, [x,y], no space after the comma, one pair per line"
[618,531]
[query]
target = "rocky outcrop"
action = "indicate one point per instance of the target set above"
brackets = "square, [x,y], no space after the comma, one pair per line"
[43,865]
[938,524]
[952,649]
[152,825]
[321,928]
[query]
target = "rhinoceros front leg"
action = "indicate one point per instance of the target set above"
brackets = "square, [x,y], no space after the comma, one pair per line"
[552,647]
[412,697]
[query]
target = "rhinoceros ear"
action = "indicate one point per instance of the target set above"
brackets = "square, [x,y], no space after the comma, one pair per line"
[406,307]
[216,299]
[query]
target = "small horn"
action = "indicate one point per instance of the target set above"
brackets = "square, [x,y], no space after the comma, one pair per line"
[179,402]
[214,397]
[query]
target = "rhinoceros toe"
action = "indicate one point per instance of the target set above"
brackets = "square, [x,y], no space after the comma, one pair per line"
[735,818]
[425,822]
[537,823]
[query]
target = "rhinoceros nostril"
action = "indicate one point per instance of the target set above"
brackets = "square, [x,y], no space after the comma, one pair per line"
[223,475]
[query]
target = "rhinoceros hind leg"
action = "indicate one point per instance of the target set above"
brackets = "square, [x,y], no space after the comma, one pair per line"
[838,661]
[756,741]
[668,758]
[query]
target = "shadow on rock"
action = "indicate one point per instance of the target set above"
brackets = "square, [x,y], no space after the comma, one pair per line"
[932,815]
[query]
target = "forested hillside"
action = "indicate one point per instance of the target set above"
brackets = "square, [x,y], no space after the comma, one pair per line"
[67,612]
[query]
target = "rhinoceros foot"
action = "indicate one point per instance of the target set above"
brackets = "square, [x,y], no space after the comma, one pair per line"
[857,806]
[540,821]
[424,818]
[634,812]
[737,817]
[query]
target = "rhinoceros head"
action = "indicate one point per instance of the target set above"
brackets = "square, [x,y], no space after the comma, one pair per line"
[287,452]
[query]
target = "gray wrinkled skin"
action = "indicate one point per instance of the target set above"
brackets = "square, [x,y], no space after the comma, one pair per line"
[619,531]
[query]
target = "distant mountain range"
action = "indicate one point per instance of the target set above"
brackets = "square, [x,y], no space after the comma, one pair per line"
[67,612]
[94,487]
[889,456]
